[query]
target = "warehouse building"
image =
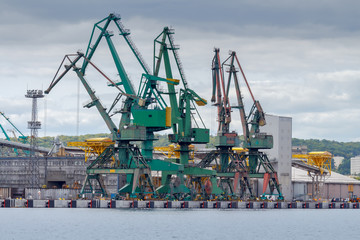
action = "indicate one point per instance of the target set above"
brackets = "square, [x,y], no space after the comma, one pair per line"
[332,186]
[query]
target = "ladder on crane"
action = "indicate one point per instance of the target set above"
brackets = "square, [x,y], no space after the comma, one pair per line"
[174,49]
[126,34]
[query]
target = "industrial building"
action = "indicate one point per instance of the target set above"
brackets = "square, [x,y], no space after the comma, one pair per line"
[296,183]
[61,167]
[333,186]
[280,155]
[54,172]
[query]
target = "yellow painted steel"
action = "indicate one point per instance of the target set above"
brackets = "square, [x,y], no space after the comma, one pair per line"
[322,160]
[92,146]
[173,81]
[242,150]
[168,116]
[172,151]
[201,102]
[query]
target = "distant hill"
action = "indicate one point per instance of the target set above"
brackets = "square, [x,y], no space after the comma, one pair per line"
[344,149]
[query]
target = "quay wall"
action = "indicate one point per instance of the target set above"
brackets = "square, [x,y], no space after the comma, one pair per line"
[150,204]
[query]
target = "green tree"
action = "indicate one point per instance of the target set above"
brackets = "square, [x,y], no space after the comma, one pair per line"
[344,167]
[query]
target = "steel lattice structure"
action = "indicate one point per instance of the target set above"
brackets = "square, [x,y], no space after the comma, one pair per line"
[34,125]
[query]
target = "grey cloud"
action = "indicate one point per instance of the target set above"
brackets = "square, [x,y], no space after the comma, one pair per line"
[301,58]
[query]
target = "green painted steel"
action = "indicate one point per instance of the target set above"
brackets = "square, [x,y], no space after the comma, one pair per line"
[163,165]
[95,101]
[102,27]
[6,135]
[150,118]
[182,107]
[125,81]
[133,133]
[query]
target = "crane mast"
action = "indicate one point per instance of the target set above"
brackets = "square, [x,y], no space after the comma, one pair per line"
[102,29]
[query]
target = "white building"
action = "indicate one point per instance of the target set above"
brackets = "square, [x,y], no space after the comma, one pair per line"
[355,165]
[280,155]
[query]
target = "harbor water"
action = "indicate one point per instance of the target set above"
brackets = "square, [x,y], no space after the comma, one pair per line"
[199,224]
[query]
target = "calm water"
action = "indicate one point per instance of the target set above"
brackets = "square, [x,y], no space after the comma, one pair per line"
[179,224]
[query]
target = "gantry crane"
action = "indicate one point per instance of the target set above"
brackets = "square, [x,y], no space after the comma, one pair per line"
[147,108]
[183,109]
[233,166]
[254,140]
[229,164]
[158,113]
[92,147]
[321,160]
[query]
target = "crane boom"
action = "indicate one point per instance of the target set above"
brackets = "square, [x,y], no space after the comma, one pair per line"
[7,119]
[94,99]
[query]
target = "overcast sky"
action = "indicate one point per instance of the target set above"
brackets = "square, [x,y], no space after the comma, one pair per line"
[301,58]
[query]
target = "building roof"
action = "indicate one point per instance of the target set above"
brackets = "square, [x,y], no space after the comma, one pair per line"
[299,175]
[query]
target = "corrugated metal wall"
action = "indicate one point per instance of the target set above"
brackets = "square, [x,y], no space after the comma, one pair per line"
[328,190]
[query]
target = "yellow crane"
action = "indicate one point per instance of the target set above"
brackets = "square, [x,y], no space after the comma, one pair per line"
[319,159]
[173,151]
[92,146]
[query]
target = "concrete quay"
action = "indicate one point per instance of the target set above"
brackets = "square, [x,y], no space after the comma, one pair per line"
[148,204]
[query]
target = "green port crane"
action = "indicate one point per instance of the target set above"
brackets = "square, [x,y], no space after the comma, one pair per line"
[104,33]
[142,114]
[183,106]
